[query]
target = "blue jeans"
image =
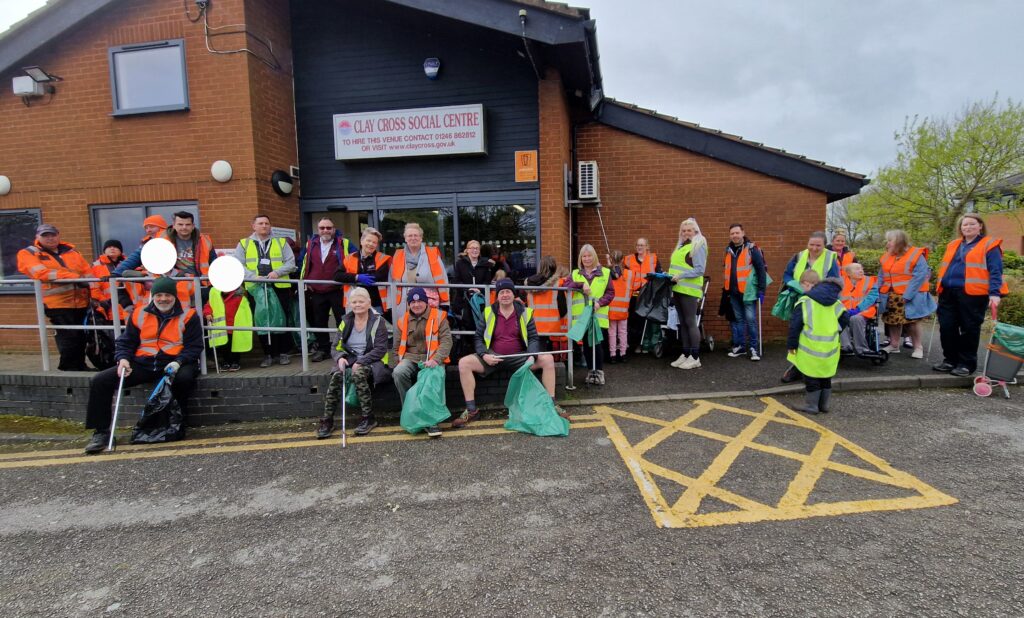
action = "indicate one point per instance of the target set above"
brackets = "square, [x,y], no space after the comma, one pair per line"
[744,329]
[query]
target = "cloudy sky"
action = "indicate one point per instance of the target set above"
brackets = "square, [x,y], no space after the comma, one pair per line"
[829,79]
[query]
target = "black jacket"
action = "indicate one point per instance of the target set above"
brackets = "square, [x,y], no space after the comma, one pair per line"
[192,339]
[466,273]
[824,293]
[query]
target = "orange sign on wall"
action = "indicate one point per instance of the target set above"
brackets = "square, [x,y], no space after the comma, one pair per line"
[526,166]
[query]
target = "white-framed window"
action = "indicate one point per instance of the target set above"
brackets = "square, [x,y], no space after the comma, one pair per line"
[17,231]
[149,77]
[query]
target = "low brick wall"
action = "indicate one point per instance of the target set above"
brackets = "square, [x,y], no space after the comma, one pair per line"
[224,399]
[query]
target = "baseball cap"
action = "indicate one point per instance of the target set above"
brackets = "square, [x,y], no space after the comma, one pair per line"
[46,228]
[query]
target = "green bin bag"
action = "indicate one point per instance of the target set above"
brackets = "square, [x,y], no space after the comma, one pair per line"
[351,394]
[783,308]
[530,409]
[581,324]
[425,402]
[268,311]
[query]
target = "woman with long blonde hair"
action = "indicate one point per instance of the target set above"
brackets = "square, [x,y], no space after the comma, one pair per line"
[593,283]
[687,266]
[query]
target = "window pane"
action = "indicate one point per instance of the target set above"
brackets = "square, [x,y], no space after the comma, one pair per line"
[149,78]
[123,224]
[508,231]
[17,231]
[436,224]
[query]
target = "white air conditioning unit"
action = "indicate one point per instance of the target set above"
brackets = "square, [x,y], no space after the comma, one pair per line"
[586,180]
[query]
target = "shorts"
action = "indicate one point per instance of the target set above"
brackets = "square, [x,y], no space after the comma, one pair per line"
[508,363]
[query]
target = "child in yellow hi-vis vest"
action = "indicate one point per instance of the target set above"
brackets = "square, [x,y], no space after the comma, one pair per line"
[813,341]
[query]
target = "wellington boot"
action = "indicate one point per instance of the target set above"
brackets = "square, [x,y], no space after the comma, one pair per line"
[810,402]
[826,394]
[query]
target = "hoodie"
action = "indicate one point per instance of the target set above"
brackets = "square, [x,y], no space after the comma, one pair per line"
[825,293]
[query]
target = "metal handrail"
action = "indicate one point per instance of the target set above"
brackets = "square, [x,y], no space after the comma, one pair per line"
[303,329]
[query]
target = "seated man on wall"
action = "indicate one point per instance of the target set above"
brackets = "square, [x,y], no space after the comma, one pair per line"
[507,328]
[422,335]
[160,337]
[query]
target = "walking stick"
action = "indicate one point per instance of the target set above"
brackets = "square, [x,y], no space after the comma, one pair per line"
[344,396]
[117,407]
[931,338]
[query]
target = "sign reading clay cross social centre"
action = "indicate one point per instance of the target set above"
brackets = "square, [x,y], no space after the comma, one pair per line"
[423,132]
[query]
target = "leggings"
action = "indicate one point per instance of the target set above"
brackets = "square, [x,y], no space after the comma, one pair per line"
[689,334]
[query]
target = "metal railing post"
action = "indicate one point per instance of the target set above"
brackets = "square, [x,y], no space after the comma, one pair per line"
[41,317]
[570,362]
[304,343]
[115,309]
[197,299]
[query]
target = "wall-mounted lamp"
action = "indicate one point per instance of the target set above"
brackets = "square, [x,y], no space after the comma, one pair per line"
[5,185]
[34,83]
[282,183]
[221,171]
[431,67]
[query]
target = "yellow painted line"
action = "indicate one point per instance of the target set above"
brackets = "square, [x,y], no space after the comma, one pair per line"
[792,505]
[660,510]
[186,449]
[277,437]
[689,502]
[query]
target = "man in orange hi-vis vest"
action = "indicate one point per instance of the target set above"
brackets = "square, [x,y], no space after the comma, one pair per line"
[160,338]
[49,260]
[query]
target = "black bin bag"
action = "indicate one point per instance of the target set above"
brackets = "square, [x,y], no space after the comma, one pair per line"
[161,419]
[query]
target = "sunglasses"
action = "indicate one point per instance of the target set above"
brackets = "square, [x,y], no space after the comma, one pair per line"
[329,227]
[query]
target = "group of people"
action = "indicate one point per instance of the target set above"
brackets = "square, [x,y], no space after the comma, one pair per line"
[163,329]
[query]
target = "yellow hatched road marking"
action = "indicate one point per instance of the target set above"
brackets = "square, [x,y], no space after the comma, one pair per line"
[792,505]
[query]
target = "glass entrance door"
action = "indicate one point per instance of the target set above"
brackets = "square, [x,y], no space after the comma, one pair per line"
[437,223]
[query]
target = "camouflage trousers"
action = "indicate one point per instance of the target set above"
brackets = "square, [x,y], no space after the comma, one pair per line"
[361,378]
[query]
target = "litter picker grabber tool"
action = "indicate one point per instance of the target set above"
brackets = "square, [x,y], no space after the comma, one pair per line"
[117,408]
[931,338]
[600,219]
[344,396]
[760,337]
[266,306]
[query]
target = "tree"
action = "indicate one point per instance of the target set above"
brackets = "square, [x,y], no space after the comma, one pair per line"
[847,216]
[945,167]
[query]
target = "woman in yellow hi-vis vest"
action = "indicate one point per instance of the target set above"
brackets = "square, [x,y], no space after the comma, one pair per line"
[687,270]
[813,341]
[594,284]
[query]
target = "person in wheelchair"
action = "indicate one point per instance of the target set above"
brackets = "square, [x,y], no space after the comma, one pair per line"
[860,297]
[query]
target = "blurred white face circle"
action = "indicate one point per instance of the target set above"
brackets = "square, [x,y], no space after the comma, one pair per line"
[159,256]
[226,273]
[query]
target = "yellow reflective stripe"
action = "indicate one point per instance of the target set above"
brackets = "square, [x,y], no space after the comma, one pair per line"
[808,350]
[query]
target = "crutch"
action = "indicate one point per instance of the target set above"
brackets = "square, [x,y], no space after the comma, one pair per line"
[117,408]
[344,396]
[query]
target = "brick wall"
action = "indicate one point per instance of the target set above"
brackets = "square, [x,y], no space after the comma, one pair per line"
[555,153]
[1009,226]
[648,188]
[68,153]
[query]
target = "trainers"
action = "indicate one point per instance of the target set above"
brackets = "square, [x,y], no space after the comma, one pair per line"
[638,350]
[918,353]
[317,356]
[908,343]
[97,443]
[944,367]
[267,361]
[233,367]
[599,377]
[591,378]
[323,430]
[736,352]
[892,349]
[679,361]
[434,431]
[754,356]
[561,412]
[464,419]
[285,359]
[366,425]
[694,363]
[961,372]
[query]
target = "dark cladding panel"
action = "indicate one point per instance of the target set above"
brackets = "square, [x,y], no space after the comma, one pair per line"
[368,56]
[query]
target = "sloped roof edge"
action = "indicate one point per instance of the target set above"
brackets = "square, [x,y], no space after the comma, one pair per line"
[836,182]
[43,26]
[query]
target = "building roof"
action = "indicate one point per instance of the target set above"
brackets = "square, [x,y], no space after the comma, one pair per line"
[836,182]
[1010,185]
